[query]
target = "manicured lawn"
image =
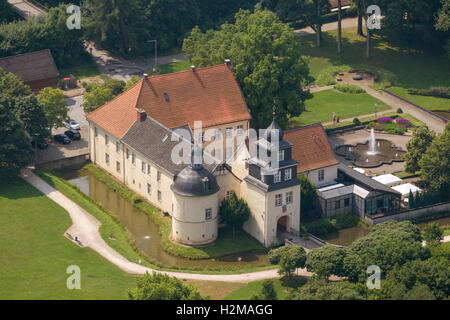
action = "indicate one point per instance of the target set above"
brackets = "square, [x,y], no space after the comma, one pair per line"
[245,293]
[173,67]
[321,107]
[421,69]
[34,254]
[85,70]
[216,290]
[430,103]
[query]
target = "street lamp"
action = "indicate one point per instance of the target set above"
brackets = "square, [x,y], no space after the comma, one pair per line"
[375,107]
[155,69]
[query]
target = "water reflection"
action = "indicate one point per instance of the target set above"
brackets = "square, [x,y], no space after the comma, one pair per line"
[145,231]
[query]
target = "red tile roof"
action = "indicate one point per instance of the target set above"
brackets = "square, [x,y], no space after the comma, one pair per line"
[311,148]
[334,4]
[210,94]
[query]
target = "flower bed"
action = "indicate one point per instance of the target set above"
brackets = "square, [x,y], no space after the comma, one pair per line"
[385,120]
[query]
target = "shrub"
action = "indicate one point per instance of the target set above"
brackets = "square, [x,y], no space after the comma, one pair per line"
[399,110]
[319,227]
[384,120]
[440,92]
[393,128]
[345,221]
[356,121]
[349,88]
[403,122]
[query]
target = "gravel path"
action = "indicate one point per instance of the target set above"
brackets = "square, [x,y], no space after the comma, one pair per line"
[86,228]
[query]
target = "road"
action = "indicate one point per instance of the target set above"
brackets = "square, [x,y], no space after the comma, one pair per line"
[346,23]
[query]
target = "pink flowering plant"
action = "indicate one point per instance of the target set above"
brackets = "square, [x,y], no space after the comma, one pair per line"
[385,120]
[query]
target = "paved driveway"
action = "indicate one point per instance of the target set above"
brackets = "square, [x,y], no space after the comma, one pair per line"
[57,151]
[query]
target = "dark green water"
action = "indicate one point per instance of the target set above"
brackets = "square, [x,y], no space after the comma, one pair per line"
[346,236]
[145,231]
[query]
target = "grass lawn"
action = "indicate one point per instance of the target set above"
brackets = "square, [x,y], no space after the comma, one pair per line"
[216,290]
[34,255]
[321,107]
[421,69]
[430,103]
[81,71]
[254,288]
[172,67]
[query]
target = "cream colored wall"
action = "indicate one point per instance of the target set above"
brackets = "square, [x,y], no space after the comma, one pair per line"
[189,224]
[256,224]
[227,182]
[330,174]
[130,174]
[275,213]
[222,128]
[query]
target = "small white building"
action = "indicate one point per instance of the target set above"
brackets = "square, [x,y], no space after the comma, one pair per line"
[388,179]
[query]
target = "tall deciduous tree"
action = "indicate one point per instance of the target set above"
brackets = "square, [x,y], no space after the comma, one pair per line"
[339,40]
[267,63]
[15,143]
[54,105]
[28,110]
[159,286]
[234,211]
[416,148]
[435,164]
[289,258]
[308,196]
[326,261]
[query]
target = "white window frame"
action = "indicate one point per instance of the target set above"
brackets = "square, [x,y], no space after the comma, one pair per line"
[149,168]
[321,175]
[280,155]
[240,130]
[288,174]
[277,177]
[229,132]
[289,197]
[118,166]
[107,158]
[106,139]
[278,200]
[117,146]
[149,188]
[158,176]
[133,158]
[208,214]
[143,166]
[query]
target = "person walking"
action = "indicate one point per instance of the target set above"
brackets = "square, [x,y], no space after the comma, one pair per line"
[334,117]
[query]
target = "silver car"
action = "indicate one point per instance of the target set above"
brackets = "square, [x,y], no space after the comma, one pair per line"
[72,124]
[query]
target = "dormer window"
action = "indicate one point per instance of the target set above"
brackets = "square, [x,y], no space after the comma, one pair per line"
[280,155]
[277,177]
[288,174]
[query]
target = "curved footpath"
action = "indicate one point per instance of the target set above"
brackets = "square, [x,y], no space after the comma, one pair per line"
[86,228]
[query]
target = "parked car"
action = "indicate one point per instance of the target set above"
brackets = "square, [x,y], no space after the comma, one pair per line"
[62,138]
[41,144]
[73,134]
[72,124]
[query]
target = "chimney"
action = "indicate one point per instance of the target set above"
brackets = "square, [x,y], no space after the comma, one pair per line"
[141,115]
[193,68]
[228,63]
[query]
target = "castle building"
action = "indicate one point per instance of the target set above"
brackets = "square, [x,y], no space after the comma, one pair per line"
[133,137]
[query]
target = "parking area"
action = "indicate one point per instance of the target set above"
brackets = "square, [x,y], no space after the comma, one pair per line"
[57,151]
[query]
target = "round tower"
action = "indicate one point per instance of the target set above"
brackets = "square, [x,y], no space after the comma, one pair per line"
[195,205]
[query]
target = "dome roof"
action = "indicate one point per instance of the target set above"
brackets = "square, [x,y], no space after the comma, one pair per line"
[271,131]
[195,181]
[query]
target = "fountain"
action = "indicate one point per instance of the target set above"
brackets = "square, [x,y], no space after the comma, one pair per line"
[372,148]
[372,153]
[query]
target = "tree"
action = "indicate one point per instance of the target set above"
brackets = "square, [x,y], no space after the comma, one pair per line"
[234,211]
[11,85]
[6,13]
[416,148]
[30,112]
[368,34]
[435,164]
[267,63]
[443,22]
[289,258]
[360,13]
[15,143]
[320,289]
[158,286]
[387,244]
[96,98]
[308,195]
[268,290]
[54,105]
[326,261]
[432,232]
